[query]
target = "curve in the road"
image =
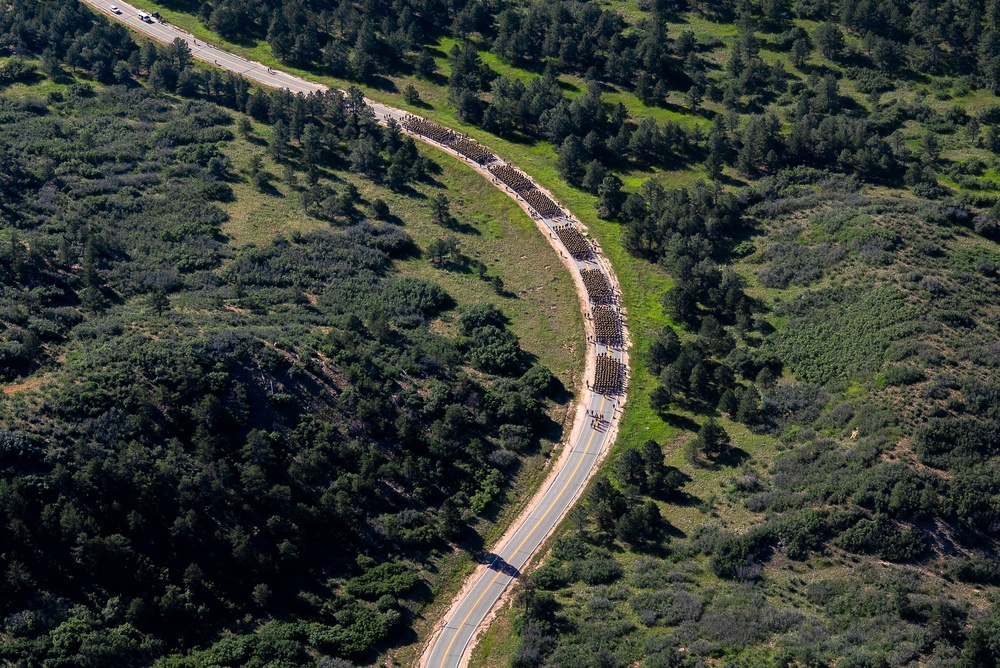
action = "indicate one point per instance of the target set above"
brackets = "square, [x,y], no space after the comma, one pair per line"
[602,401]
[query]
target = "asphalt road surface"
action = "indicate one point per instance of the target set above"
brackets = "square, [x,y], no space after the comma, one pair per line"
[505,563]
[164,32]
[453,640]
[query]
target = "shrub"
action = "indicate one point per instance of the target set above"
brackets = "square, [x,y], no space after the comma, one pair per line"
[900,374]
[599,569]
[884,538]
[389,578]
[741,556]
[552,576]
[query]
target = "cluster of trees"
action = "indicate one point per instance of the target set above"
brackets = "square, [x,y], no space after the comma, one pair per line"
[689,231]
[309,131]
[69,35]
[592,139]
[356,40]
[633,520]
[893,35]
[705,372]
[363,40]
[850,493]
[589,135]
[892,356]
[226,432]
[360,40]
[489,345]
[682,228]
[597,43]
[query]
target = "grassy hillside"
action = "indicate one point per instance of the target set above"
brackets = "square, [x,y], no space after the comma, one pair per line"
[838,513]
[806,469]
[246,416]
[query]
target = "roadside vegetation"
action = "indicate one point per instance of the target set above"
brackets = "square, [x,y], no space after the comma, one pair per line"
[800,201]
[243,423]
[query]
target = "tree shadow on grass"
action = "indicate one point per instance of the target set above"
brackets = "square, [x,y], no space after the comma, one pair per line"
[679,421]
[730,181]
[551,431]
[683,499]
[674,532]
[658,548]
[731,457]
[271,190]
[470,542]
[422,104]
[559,393]
[570,87]
[437,78]
[520,139]
[383,84]
[455,225]
[392,219]
[246,40]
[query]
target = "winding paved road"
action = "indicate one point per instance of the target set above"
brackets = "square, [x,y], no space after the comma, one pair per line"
[597,416]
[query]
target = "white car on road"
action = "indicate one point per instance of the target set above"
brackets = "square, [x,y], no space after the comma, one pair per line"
[114,9]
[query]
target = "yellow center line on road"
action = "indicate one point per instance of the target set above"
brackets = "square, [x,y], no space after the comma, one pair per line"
[202,52]
[593,433]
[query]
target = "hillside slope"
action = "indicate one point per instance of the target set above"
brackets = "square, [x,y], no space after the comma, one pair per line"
[241,421]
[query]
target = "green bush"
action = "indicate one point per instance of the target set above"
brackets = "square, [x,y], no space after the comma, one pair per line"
[598,569]
[389,578]
[884,538]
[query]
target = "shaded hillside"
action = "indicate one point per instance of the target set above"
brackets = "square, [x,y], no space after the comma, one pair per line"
[227,455]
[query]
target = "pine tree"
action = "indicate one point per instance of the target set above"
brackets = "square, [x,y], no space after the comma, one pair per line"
[395,177]
[380,210]
[664,350]
[728,403]
[655,467]
[278,145]
[335,58]
[411,95]
[312,147]
[660,398]
[437,252]
[244,127]
[694,97]
[611,197]
[712,439]
[426,67]
[440,210]
[158,302]
[594,176]
[607,504]
[748,411]
[365,158]
[830,40]
[630,468]
[450,520]
[700,381]
[570,159]
[800,53]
